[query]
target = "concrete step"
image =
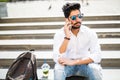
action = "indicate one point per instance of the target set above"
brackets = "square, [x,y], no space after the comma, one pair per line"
[56,25]
[108,35]
[50,47]
[36,27]
[54,19]
[48,35]
[50,41]
[49,31]
[110,59]
[33,34]
[105,63]
[49,54]
[46,31]
[47,44]
[108,74]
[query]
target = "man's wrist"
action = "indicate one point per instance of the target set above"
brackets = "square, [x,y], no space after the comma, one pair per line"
[77,62]
[67,38]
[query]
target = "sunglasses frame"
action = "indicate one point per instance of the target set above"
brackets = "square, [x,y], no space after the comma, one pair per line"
[75,16]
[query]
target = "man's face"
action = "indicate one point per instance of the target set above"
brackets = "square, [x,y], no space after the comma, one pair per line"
[75,18]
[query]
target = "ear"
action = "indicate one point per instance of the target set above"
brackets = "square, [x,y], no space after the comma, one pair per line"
[66,19]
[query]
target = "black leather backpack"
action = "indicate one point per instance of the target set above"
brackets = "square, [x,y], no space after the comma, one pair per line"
[23,68]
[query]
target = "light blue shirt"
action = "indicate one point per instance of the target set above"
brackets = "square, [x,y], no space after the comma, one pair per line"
[82,46]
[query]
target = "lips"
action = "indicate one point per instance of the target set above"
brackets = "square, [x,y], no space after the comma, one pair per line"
[77,24]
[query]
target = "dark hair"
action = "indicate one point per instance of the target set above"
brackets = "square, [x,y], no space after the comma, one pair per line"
[68,7]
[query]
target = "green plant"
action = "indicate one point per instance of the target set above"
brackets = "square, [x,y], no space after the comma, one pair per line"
[4,0]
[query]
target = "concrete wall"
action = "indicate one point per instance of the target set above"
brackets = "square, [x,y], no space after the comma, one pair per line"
[41,8]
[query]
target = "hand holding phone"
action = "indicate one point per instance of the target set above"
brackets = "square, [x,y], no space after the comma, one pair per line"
[67,28]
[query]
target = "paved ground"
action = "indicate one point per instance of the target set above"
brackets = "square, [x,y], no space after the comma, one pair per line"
[41,8]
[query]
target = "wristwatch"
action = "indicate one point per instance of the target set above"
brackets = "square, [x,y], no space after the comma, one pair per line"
[66,38]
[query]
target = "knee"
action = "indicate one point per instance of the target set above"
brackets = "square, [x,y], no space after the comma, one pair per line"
[95,67]
[94,71]
[69,70]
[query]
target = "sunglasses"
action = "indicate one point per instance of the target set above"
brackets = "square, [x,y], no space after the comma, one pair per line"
[75,16]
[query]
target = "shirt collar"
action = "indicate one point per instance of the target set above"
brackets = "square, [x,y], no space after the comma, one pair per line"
[80,31]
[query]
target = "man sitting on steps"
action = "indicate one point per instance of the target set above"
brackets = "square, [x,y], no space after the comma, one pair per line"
[76,48]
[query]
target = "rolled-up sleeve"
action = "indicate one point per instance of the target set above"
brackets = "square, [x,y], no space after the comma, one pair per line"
[95,49]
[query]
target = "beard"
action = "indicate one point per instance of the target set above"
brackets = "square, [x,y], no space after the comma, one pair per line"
[73,27]
[76,27]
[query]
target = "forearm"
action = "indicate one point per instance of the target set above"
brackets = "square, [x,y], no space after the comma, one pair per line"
[63,47]
[66,61]
[84,61]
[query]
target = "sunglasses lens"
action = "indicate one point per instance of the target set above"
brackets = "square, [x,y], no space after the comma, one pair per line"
[73,17]
[80,16]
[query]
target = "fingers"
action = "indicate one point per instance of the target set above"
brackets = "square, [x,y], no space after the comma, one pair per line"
[61,61]
[66,61]
[67,28]
[66,20]
[68,23]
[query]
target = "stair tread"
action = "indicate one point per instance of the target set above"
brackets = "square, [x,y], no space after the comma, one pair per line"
[50,41]
[48,31]
[49,54]
[58,23]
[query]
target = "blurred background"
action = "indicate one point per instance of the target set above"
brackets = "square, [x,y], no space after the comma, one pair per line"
[31,24]
[36,8]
